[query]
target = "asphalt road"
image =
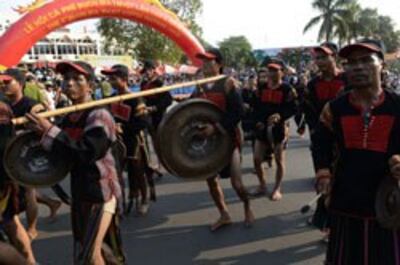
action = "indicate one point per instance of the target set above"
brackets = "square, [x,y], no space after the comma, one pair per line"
[176,230]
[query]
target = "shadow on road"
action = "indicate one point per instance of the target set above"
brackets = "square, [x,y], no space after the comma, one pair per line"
[160,239]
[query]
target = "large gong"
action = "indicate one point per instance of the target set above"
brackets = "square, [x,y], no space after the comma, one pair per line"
[26,162]
[182,149]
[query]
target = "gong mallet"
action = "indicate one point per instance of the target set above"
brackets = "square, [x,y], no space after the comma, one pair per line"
[116,99]
[306,208]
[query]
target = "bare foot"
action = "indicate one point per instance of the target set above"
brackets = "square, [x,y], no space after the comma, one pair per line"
[222,222]
[325,239]
[276,195]
[143,209]
[32,233]
[249,218]
[259,192]
[53,211]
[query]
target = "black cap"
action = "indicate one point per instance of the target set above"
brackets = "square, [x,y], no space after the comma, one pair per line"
[328,48]
[212,54]
[117,70]
[276,63]
[79,66]
[13,73]
[375,46]
[149,64]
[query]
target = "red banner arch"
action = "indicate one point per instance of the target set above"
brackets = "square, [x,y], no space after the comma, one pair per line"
[35,25]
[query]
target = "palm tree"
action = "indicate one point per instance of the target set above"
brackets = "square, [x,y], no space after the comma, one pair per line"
[368,24]
[352,20]
[331,17]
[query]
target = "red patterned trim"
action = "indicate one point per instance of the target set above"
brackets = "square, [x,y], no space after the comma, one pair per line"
[375,137]
[272,96]
[121,111]
[328,90]
[218,98]
[74,133]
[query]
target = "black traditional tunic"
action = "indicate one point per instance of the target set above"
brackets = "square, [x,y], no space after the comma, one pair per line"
[271,101]
[364,142]
[9,199]
[160,101]
[317,94]
[249,98]
[125,114]
[86,139]
[133,137]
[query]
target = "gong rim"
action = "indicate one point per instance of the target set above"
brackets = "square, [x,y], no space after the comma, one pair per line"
[26,162]
[198,158]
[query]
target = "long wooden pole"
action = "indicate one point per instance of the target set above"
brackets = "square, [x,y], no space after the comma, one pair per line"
[120,98]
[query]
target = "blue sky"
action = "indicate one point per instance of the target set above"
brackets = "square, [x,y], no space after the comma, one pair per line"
[267,24]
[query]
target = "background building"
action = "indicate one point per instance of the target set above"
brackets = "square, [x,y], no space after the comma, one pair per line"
[64,44]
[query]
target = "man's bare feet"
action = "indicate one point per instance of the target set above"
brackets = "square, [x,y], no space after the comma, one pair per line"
[32,233]
[325,238]
[143,209]
[259,192]
[276,195]
[249,218]
[222,222]
[54,207]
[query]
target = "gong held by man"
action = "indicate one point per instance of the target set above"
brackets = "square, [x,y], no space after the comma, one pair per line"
[46,165]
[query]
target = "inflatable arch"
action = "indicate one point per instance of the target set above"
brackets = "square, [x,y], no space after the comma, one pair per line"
[53,14]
